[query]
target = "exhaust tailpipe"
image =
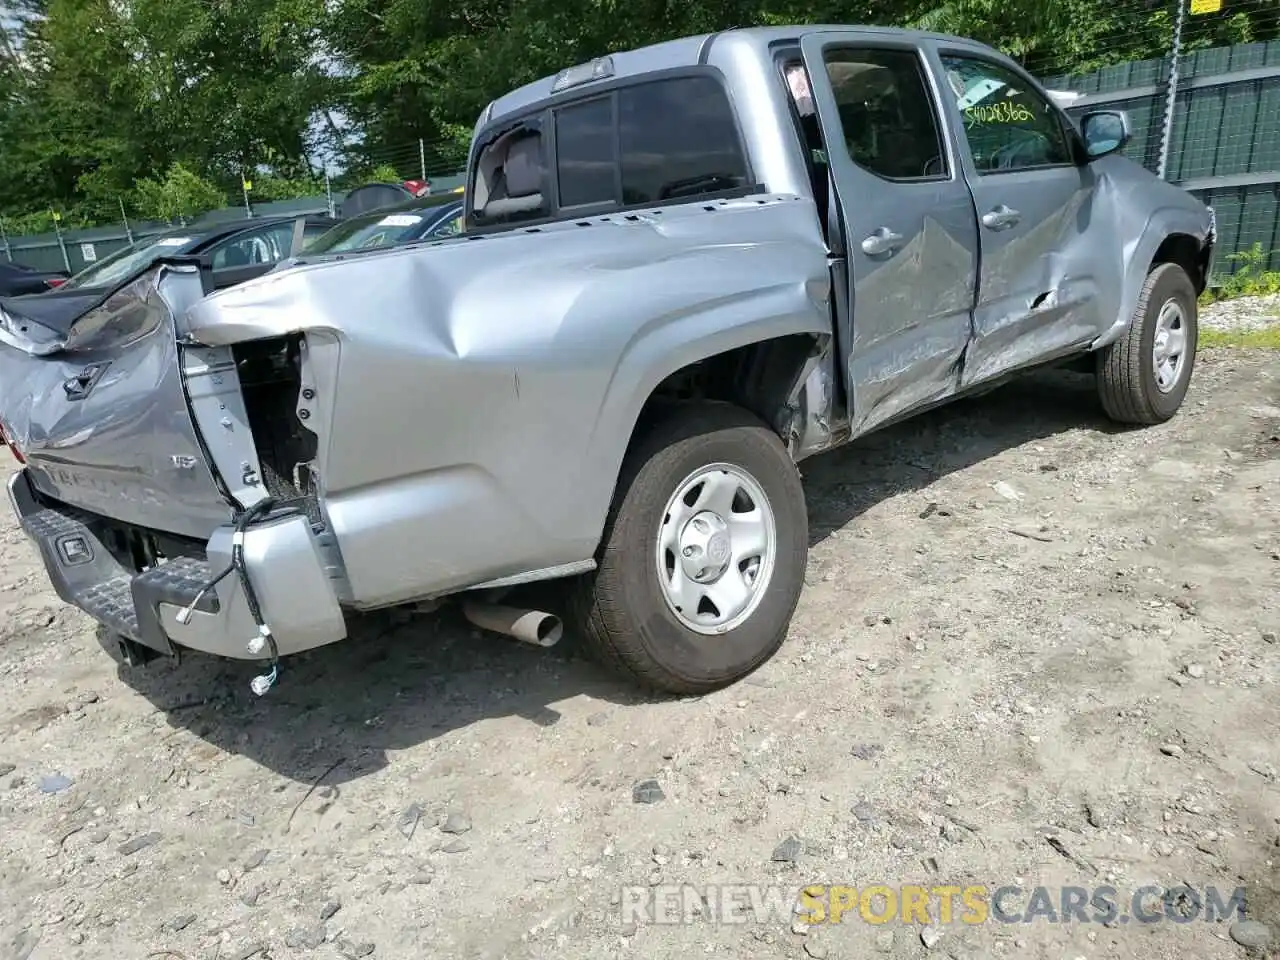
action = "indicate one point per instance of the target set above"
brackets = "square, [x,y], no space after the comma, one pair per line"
[530,626]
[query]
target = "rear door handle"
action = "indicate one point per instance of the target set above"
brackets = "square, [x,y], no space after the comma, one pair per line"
[1001,218]
[881,242]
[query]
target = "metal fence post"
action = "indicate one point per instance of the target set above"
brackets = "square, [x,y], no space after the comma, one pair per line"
[4,239]
[422,158]
[328,194]
[62,245]
[125,217]
[1166,135]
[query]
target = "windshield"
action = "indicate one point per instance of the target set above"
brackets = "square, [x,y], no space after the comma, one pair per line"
[123,262]
[390,226]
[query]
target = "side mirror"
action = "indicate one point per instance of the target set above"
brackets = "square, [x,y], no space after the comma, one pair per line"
[1104,132]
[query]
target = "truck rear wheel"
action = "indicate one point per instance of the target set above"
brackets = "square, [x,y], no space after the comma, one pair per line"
[703,556]
[1143,376]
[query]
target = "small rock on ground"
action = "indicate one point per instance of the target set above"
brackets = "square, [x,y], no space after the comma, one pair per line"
[304,938]
[456,822]
[647,791]
[1250,933]
[130,847]
[54,783]
[788,851]
[179,923]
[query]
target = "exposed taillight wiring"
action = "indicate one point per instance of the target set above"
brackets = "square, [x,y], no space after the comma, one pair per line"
[8,442]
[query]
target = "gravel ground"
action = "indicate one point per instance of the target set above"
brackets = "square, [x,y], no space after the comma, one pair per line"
[1245,313]
[1033,649]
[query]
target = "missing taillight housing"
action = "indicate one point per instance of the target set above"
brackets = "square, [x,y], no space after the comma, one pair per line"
[270,380]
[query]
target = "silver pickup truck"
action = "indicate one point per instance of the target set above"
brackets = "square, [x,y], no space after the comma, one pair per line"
[685,269]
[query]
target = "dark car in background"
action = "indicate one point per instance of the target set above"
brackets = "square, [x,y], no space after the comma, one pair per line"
[237,250]
[17,279]
[423,218]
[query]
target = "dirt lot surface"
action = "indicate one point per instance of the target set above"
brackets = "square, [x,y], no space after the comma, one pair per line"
[1033,649]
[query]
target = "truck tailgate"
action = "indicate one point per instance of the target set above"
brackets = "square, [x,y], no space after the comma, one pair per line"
[96,405]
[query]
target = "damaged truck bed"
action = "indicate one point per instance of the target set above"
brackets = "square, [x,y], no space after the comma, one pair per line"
[736,251]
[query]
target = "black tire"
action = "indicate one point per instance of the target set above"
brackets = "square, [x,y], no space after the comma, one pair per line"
[1126,379]
[620,608]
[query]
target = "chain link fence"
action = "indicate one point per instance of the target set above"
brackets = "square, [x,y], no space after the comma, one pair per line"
[1205,115]
[439,163]
[1199,79]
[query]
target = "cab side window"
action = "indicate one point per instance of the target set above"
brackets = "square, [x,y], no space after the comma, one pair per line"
[1008,125]
[887,116]
[509,179]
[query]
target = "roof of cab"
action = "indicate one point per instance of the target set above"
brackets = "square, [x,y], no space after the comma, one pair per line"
[688,51]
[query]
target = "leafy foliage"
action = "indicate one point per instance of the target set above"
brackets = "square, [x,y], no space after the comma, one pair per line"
[180,194]
[1251,278]
[160,103]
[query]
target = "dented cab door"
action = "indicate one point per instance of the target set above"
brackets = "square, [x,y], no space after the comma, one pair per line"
[907,218]
[1041,238]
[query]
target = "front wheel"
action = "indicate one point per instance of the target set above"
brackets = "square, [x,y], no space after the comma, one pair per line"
[1143,376]
[703,556]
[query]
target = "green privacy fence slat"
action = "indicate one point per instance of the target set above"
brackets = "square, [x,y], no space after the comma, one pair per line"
[1266,153]
[1258,220]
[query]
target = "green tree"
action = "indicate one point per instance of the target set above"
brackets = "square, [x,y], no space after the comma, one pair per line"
[180,193]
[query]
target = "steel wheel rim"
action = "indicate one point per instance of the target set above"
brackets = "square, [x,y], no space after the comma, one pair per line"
[1169,346]
[716,549]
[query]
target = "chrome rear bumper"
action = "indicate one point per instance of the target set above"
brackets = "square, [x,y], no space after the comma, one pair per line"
[282,557]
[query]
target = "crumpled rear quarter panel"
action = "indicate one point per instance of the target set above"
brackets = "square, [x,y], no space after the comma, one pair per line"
[127,449]
[475,396]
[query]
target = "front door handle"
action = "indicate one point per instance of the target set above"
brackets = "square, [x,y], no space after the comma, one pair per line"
[1001,218]
[881,242]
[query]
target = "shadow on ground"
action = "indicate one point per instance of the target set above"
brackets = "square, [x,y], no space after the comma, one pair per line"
[396,684]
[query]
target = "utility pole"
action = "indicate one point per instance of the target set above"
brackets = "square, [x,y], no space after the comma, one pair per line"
[1166,135]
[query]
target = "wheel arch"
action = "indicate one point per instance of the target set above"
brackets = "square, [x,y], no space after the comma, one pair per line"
[1173,234]
[1187,252]
[783,374]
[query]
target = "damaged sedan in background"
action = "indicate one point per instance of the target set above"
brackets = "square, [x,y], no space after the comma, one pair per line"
[656,312]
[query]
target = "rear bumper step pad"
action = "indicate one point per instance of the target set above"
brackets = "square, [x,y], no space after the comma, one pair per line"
[281,554]
[84,572]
